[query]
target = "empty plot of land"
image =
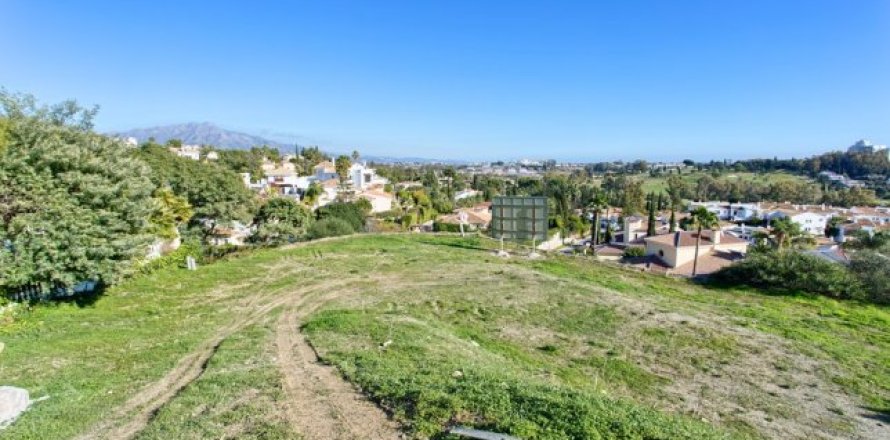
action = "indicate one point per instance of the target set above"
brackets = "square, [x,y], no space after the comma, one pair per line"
[417,334]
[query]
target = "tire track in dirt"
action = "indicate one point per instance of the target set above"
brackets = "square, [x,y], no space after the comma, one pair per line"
[321,404]
[131,417]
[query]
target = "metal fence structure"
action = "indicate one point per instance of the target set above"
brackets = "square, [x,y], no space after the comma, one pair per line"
[519,218]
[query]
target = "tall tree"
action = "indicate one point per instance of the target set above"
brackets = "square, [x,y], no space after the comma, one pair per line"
[74,206]
[701,219]
[596,206]
[651,230]
[784,231]
[342,165]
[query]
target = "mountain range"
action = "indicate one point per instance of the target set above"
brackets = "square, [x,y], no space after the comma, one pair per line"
[200,133]
[206,133]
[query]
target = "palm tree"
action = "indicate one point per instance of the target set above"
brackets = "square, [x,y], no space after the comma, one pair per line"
[700,218]
[595,207]
[785,231]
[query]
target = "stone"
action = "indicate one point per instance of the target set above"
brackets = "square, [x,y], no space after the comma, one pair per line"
[13,402]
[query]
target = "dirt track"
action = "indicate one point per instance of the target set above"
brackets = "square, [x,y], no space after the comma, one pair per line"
[321,404]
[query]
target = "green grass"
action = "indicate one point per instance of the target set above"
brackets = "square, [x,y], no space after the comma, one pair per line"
[659,184]
[554,348]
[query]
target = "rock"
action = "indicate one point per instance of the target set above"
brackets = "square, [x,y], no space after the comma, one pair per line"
[13,402]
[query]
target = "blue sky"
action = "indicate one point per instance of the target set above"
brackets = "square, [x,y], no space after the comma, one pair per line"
[580,80]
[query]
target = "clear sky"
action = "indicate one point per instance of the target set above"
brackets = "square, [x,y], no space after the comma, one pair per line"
[474,80]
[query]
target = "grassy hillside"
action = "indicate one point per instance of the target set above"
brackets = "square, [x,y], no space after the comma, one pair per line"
[659,184]
[437,330]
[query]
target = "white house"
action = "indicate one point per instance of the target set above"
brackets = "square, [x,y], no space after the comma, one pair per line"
[866,146]
[363,178]
[466,194]
[737,212]
[325,171]
[380,201]
[810,222]
[192,152]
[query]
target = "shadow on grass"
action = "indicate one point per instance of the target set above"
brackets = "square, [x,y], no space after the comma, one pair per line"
[882,415]
[456,241]
[81,296]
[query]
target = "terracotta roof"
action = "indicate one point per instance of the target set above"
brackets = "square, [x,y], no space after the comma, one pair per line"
[684,239]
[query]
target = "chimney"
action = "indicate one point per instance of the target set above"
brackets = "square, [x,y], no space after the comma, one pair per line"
[627,238]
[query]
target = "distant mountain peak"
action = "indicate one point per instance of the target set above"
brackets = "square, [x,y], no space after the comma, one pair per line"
[200,133]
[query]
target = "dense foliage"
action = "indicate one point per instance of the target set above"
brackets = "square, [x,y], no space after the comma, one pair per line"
[792,271]
[217,195]
[281,220]
[74,205]
[352,213]
[330,227]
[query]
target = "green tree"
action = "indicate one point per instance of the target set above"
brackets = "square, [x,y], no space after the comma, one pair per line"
[74,206]
[651,230]
[596,206]
[701,219]
[313,193]
[281,220]
[169,214]
[784,231]
[217,195]
[342,165]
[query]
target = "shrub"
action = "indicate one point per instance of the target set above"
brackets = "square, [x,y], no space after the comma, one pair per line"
[873,271]
[175,258]
[330,227]
[351,213]
[448,227]
[791,271]
[634,251]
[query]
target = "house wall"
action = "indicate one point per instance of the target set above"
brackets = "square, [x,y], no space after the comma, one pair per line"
[813,224]
[666,252]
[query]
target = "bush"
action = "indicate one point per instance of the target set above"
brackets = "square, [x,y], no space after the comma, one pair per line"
[791,271]
[634,251]
[448,227]
[330,227]
[873,271]
[351,213]
[175,258]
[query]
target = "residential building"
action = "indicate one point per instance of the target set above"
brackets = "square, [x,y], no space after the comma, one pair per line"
[192,152]
[381,201]
[325,171]
[735,212]
[677,251]
[866,146]
[477,217]
[362,177]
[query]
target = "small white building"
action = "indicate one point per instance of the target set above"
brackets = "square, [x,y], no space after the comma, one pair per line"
[736,212]
[363,178]
[380,201]
[466,194]
[810,222]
